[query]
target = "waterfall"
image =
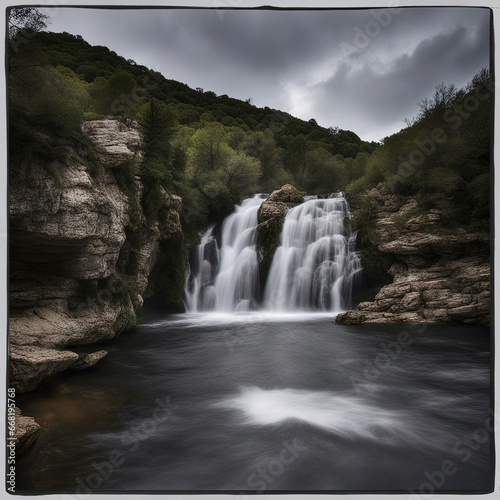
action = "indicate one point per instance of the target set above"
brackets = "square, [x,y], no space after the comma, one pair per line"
[316,265]
[313,269]
[227,279]
[199,290]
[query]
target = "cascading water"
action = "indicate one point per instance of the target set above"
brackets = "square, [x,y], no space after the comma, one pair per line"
[313,269]
[227,279]
[199,290]
[315,266]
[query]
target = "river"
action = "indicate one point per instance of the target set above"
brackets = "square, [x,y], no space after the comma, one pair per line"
[267,402]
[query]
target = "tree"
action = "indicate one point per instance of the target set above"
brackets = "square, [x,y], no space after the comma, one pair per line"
[45,111]
[47,100]
[121,97]
[209,148]
[88,71]
[358,166]
[443,98]
[240,173]
[261,145]
[179,162]
[158,126]
[26,19]
[80,88]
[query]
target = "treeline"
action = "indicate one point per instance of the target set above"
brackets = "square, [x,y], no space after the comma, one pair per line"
[214,150]
[443,155]
[442,158]
[211,150]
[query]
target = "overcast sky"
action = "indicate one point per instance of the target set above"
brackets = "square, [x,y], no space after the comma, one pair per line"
[360,70]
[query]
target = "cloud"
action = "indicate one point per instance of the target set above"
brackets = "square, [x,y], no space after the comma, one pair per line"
[297,60]
[372,98]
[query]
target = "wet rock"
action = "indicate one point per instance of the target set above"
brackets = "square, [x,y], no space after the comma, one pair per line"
[279,202]
[26,432]
[88,360]
[271,216]
[286,194]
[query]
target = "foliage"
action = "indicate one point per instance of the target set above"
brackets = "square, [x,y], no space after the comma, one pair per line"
[169,272]
[120,87]
[27,19]
[125,178]
[158,125]
[45,113]
[443,156]
[215,150]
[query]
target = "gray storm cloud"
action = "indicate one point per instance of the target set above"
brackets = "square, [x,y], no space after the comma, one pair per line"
[332,65]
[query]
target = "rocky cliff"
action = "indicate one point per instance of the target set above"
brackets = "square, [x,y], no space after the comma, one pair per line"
[439,273]
[78,262]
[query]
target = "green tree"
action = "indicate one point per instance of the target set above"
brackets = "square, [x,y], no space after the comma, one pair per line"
[158,125]
[88,71]
[209,149]
[80,87]
[325,173]
[240,173]
[121,96]
[358,166]
[46,100]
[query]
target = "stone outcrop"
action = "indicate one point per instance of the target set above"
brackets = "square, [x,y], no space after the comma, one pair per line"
[26,432]
[69,283]
[279,202]
[117,141]
[439,274]
[87,360]
[271,216]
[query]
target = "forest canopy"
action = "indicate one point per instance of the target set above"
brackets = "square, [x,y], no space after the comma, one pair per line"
[215,150]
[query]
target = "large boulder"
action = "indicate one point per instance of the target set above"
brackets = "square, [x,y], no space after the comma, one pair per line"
[271,216]
[279,202]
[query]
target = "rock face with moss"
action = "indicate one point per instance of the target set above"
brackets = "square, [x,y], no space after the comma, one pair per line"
[440,274]
[271,216]
[81,255]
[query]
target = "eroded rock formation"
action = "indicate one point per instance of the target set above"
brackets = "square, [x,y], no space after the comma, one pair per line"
[69,280]
[440,274]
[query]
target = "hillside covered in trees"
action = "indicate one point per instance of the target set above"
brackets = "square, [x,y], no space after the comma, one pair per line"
[215,150]
[211,150]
